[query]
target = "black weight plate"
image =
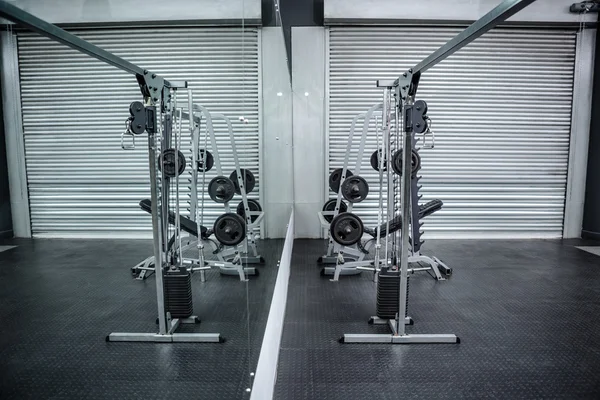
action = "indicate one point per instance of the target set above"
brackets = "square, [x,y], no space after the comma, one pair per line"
[355,189]
[253,205]
[330,206]
[375,160]
[249,181]
[210,161]
[397,162]
[336,177]
[416,162]
[346,229]
[230,229]
[221,189]
[166,163]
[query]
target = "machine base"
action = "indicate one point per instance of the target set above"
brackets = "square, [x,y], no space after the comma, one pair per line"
[399,339]
[170,336]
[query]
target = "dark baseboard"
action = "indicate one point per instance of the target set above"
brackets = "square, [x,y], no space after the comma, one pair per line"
[590,235]
[6,234]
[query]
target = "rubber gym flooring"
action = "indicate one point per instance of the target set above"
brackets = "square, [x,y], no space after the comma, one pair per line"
[60,298]
[527,314]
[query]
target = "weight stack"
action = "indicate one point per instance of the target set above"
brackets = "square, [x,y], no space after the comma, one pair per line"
[388,293]
[178,292]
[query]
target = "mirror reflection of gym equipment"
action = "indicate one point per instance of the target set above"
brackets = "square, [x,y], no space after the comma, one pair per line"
[319,180]
[234,234]
[198,144]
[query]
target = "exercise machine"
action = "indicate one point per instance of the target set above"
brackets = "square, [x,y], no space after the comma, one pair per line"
[157,115]
[236,232]
[346,250]
[408,117]
[232,240]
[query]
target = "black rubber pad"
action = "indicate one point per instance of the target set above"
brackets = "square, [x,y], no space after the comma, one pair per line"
[187,224]
[395,224]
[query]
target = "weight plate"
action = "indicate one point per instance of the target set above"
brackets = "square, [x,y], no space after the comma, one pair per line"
[355,189]
[166,163]
[375,160]
[346,229]
[249,181]
[336,177]
[221,189]
[210,161]
[330,206]
[230,229]
[397,162]
[253,205]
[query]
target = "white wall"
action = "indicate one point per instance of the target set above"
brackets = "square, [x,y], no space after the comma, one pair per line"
[580,133]
[13,128]
[99,11]
[308,84]
[277,157]
[541,11]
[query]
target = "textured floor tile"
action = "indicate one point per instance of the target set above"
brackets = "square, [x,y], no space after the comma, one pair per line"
[60,298]
[526,313]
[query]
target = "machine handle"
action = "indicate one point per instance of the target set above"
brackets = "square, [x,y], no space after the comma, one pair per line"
[426,133]
[127,132]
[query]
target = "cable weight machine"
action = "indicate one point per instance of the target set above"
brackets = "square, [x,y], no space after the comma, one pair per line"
[346,250]
[235,233]
[411,115]
[156,115]
[238,246]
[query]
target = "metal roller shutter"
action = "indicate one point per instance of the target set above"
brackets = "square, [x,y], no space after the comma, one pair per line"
[80,180]
[501,111]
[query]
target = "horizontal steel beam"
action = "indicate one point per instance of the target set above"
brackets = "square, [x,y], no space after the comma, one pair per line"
[17,15]
[499,14]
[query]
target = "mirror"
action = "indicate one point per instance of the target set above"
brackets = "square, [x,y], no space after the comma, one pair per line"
[222,158]
[277,174]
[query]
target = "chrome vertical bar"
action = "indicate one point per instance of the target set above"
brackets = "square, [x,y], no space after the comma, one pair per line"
[195,137]
[153,148]
[213,141]
[405,206]
[394,212]
[241,182]
[178,133]
[388,172]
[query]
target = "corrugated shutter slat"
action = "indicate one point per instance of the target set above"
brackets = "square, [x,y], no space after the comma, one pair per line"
[74,108]
[501,111]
